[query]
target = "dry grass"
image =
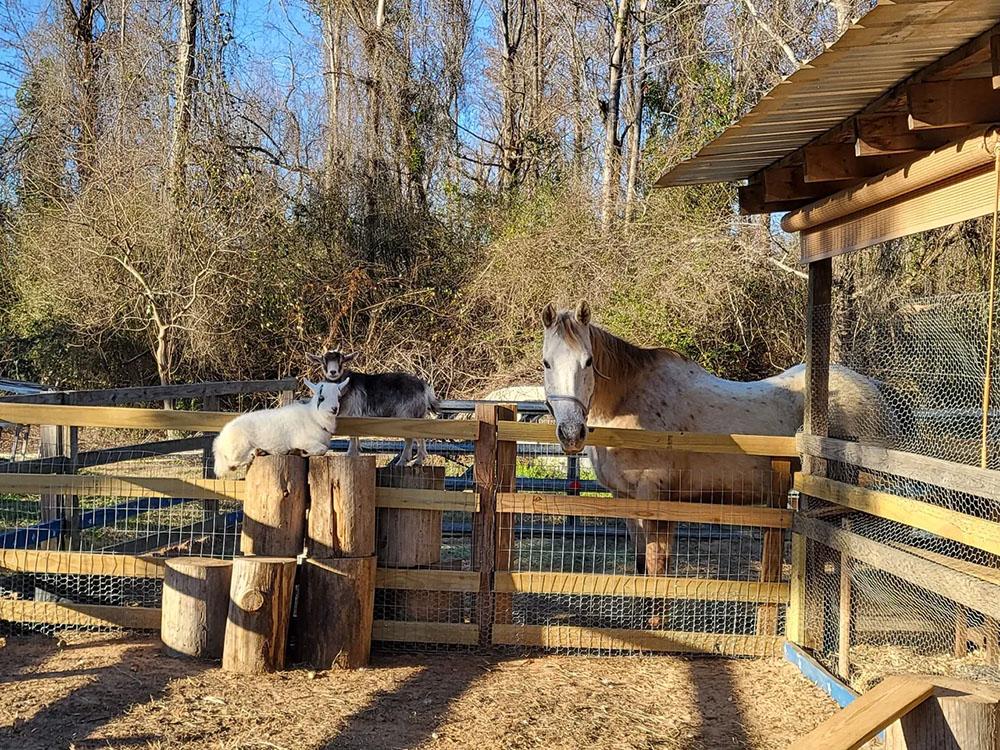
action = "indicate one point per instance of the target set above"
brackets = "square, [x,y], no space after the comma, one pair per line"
[101,691]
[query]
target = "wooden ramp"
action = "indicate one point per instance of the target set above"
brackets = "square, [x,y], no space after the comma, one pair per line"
[852,727]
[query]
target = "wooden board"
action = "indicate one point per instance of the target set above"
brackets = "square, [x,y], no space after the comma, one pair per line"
[695,442]
[426,632]
[936,471]
[940,579]
[87,615]
[427,580]
[866,716]
[123,486]
[112,396]
[620,639]
[204,421]
[593,584]
[81,563]
[655,510]
[950,524]
[394,497]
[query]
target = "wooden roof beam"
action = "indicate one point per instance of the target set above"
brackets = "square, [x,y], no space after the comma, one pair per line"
[886,134]
[839,162]
[787,184]
[752,201]
[946,104]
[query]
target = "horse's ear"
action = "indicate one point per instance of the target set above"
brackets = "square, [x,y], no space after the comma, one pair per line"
[548,315]
[583,312]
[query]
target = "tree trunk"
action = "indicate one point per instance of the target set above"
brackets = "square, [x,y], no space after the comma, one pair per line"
[332,32]
[638,104]
[611,172]
[183,90]
[260,609]
[195,606]
[84,69]
[512,17]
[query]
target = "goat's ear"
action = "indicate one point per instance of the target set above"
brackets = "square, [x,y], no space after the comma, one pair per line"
[348,357]
[583,312]
[343,384]
[548,315]
[310,385]
[315,359]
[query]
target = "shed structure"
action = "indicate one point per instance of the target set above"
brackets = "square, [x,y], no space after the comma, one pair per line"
[892,131]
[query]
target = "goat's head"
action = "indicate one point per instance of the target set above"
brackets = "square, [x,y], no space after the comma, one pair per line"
[326,396]
[333,363]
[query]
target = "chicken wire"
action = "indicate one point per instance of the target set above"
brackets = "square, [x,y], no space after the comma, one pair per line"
[926,356]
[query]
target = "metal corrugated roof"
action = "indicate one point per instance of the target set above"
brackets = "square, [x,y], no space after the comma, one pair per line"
[879,51]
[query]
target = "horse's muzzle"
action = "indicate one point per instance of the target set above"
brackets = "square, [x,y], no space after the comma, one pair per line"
[572,438]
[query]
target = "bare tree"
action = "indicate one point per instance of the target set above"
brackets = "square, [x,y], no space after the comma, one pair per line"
[184,82]
[611,171]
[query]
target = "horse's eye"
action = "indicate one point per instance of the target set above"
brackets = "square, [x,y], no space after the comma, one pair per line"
[546,363]
[589,362]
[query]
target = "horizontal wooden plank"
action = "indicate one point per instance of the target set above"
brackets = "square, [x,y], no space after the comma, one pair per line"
[81,563]
[113,396]
[427,580]
[950,524]
[123,486]
[959,477]
[87,615]
[695,442]
[629,586]
[982,572]
[417,499]
[206,421]
[620,639]
[973,592]
[425,632]
[867,715]
[655,510]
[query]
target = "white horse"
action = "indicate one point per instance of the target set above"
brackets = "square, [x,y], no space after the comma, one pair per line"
[595,378]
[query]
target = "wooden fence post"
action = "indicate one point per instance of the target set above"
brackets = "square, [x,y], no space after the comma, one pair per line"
[815,422]
[274,510]
[773,545]
[844,619]
[485,524]
[51,445]
[506,482]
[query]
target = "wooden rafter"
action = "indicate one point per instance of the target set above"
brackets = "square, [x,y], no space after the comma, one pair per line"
[838,162]
[889,133]
[947,104]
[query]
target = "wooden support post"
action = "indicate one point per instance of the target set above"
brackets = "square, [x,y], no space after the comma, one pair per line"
[274,511]
[195,606]
[342,506]
[773,546]
[959,715]
[844,620]
[209,508]
[485,526]
[51,446]
[71,508]
[506,478]
[335,612]
[795,616]
[409,538]
[816,422]
[286,397]
[260,607]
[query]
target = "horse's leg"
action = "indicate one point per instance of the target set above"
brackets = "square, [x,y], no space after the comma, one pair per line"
[636,534]
[659,546]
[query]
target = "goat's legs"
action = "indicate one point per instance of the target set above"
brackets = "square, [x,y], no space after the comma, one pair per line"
[354,448]
[421,453]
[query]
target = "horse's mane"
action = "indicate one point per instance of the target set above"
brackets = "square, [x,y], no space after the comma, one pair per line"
[612,354]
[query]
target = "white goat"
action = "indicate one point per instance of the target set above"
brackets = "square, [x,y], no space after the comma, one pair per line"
[299,427]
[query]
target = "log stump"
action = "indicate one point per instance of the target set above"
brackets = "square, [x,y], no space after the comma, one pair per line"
[274,511]
[260,609]
[335,612]
[341,507]
[195,606]
[409,538]
[961,715]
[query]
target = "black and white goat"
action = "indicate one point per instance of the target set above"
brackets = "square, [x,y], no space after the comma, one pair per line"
[382,394]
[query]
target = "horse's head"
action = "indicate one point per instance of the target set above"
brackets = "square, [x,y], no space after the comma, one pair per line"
[568,359]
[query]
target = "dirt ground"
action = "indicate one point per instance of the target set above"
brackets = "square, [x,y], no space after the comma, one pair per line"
[101,691]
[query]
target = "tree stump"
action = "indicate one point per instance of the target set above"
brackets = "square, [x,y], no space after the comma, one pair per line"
[341,507]
[960,715]
[335,612]
[260,608]
[409,538]
[274,511]
[195,605]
